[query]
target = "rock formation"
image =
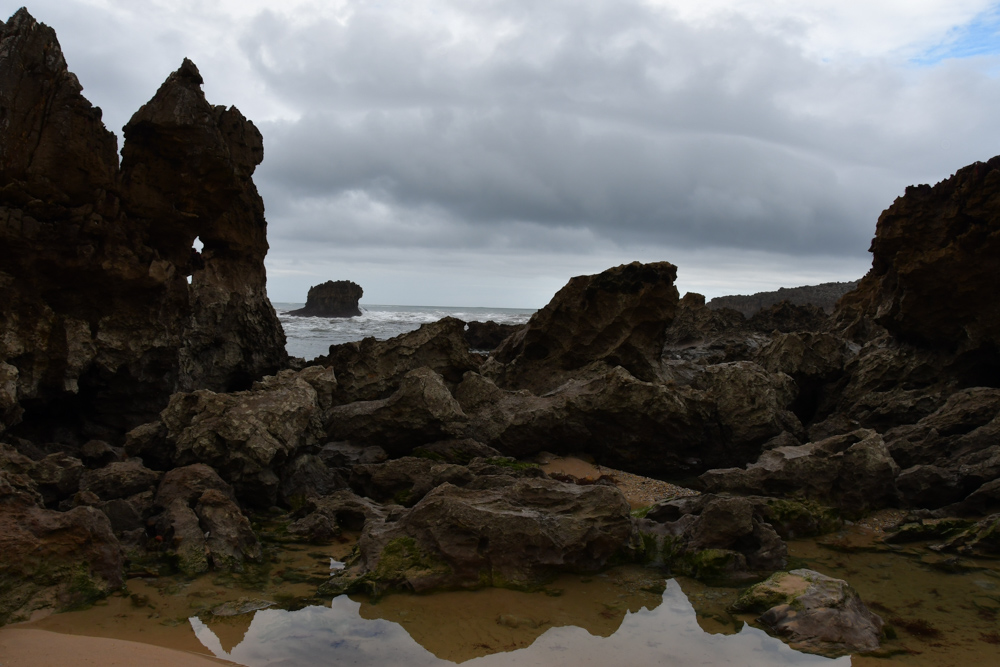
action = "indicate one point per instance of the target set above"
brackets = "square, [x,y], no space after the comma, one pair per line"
[823,296]
[935,258]
[332,299]
[107,308]
[617,317]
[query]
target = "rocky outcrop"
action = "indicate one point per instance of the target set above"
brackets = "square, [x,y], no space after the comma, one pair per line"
[617,317]
[498,531]
[50,558]
[716,539]
[487,336]
[106,307]
[332,299]
[824,296]
[814,613]
[853,472]
[247,437]
[935,256]
[373,369]
[200,526]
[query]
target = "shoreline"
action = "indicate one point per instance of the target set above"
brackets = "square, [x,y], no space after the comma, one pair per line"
[30,647]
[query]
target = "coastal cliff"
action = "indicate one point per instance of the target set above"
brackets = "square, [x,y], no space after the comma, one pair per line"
[107,307]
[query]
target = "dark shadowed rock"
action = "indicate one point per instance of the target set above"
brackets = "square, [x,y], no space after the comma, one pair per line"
[332,299]
[373,369]
[936,255]
[488,335]
[617,317]
[200,524]
[787,317]
[814,613]
[407,480]
[422,410]
[120,480]
[852,472]
[715,539]
[461,451]
[106,308]
[307,475]
[246,436]
[49,558]
[497,531]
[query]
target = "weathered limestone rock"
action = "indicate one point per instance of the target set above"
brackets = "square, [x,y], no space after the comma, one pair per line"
[421,411]
[407,480]
[498,531]
[712,538]
[936,255]
[332,299]
[120,480]
[852,472]
[106,308]
[200,523]
[617,317]
[52,559]
[814,613]
[488,335]
[373,369]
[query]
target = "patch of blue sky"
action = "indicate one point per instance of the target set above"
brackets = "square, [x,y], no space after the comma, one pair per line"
[979,37]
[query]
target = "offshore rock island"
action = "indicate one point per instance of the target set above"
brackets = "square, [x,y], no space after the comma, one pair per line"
[332,299]
[153,424]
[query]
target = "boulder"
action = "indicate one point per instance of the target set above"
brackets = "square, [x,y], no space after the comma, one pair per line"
[814,613]
[246,436]
[724,415]
[707,336]
[373,369]
[52,559]
[407,480]
[497,531]
[346,455]
[422,410]
[57,477]
[120,480]
[332,299]
[486,336]
[99,320]
[307,475]
[854,473]
[200,526]
[461,451]
[721,540]
[617,317]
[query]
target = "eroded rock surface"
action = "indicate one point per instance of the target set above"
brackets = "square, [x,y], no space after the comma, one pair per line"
[332,299]
[814,613]
[107,309]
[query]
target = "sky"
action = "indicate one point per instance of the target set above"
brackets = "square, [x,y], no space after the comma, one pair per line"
[482,152]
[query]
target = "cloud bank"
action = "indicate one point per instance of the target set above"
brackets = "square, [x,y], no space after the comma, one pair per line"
[455,153]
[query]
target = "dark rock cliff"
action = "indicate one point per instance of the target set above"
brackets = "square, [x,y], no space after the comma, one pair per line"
[823,296]
[332,299]
[935,262]
[106,307]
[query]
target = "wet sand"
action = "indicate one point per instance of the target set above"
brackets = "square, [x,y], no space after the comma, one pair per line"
[25,647]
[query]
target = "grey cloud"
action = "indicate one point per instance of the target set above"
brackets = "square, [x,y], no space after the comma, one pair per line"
[606,117]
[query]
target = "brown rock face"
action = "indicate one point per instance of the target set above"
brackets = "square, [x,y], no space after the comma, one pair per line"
[332,299]
[618,317]
[106,307]
[936,257]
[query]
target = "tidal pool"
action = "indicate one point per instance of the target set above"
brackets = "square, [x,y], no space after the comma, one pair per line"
[944,612]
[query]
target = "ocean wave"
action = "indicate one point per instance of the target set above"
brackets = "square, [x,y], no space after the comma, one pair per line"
[310,337]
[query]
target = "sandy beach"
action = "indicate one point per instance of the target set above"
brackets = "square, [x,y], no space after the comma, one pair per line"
[22,647]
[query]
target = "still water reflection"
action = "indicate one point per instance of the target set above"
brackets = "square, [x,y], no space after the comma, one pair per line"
[668,633]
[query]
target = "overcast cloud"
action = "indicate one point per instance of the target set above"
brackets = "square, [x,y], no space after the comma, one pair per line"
[481,153]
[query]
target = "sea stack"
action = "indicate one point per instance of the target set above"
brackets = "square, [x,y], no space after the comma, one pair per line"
[334,298]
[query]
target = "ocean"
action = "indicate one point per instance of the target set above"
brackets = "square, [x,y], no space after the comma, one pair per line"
[310,337]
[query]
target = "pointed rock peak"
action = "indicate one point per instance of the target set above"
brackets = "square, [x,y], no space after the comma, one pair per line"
[19,18]
[188,73]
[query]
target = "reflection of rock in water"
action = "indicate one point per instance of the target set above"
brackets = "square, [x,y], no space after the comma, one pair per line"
[666,634]
[461,625]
